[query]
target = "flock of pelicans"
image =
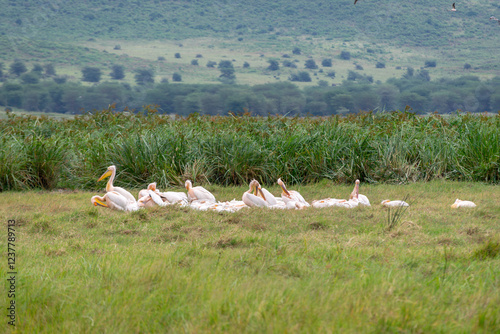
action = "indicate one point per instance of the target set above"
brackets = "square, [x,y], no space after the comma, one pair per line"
[199,198]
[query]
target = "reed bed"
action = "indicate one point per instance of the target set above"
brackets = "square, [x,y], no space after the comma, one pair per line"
[396,147]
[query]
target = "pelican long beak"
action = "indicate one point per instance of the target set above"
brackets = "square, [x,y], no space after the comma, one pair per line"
[262,194]
[99,203]
[284,189]
[105,175]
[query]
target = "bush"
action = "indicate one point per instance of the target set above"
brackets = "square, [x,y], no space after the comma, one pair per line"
[380,64]
[50,70]
[194,62]
[430,63]
[91,74]
[326,62]
[177,55]
[246,65]
[467,66]
[302,76]
[211,64]
[288,63]
[117,47]
[331,74]
[144,76]
[296,51]
[273,65]
[117,72]
[311,64]
[176,77]
[30,78]
[359,67]
[345,55]
[17,68]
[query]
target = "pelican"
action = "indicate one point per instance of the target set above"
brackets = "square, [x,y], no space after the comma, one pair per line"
[198,193]
[393,204]
[115,201]
[265,194]
[145,192]
[495,19]
[292,196]
[327,202]
[252,200]
[111,172]
[362,199]
[453,9]
[463,204]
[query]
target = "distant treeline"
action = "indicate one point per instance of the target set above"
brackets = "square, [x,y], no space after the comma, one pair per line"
[358,92]
[40,152]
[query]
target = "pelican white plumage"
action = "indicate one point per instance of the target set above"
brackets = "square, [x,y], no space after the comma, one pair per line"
[198,193]
[267,196]
[453,9]
[393,204]
[362,199]
[495,19]
[252,200]
[145,192]
[292,196]
[111,172]
[463,204]
[328,202]
[114,201]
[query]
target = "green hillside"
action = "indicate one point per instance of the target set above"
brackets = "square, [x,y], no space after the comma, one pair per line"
[382,38]
[421,23]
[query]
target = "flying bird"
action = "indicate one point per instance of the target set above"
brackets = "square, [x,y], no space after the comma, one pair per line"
[495,19]
[453,9]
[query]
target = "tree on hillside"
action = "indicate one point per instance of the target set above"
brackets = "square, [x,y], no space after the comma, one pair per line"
[273,65]
[117,72]
[49,70]
[345,55]
[144,76]
[91,74]
[176,77]
[30,78]
[302,76]
[311,64]
[296,51]
[17,68]
[326,62]
[227,71]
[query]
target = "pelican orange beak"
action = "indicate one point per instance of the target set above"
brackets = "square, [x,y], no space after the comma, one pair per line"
[105,175]
[282,185]
[99,203]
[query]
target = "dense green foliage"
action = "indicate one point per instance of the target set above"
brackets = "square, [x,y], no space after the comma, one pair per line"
[388,147]
[358,92]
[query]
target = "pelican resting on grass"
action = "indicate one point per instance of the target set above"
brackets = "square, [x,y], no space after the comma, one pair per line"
[393,204]
[463,204]
[114,201]
[292,198]
[274,202]
[167,198]
[111,172]
[198,193]
[362,199]
[253,200]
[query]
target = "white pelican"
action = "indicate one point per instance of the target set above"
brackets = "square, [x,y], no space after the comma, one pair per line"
[463,204]
[145,192]
[252,200]
[327,202]
[393,204]
[169,197]
[198,193]
[292,196]
[115,201]
[362,199]
[266,195]
[495,19]
[111,172]
[453,9]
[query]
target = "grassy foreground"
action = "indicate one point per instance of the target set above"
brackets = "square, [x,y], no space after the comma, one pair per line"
[86,269]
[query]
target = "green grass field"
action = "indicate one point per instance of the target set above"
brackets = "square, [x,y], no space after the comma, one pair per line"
[84,269]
